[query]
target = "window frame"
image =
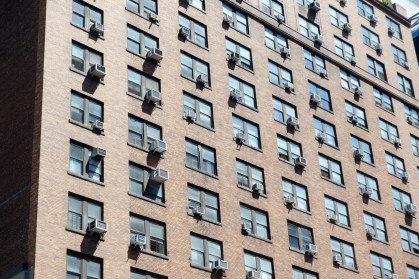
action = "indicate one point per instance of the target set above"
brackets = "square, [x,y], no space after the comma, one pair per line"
[145,193]
[409,111]
[401,195]
[405,82]
[381,98]
[409,240]
[284,105]
[299,235]
[339,15]
[147,232]
[281,82]
[343,46]
[381,267]
[319,91]
[192,35]
[194,69]
[330,170]
[336,204]
[363,142]
[314,59]
[197,110]
[84,211]
[200,7]
[397,53]
[324,130]
[388,125]
[206,254]
[85,170]
[374,226]
[242,85]
[146,274]
[86,109]
[145,125]
[238,49]
[87,21]
[276,40]
[236,21]
[305,3]
[84,260]
[297,197]
[249,175]
[371,34]
[144,79]
[342,253]
[202,196]
[142,10]
[142,40]
[305,273]
[349,78]
[258,259]
[395,159]
[365,13]
[391,23]
[86,57]
[356,111]
[289,144]
[415,271]
[253,221]
[375,188]
[309,27]
[272,11]
[245,131]
[200,156]
[376,67]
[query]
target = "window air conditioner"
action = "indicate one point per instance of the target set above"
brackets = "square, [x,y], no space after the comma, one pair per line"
[202,79]
[220,265]
[373,18]
[253,275]
[359,153]
[301,162]
[332,218]
[184,31]
[405,176]
[234,57]
[289,86]
[155,54]
[153,17]
[190,115]
[97,28]
[138,241]
[310,249]
[98,227]
[97,71]
[411,209]
[391,30]
[321,137]
[98,153]
[246,229]
[316,99]
[158,146]
[353,60]
[337,259]
[235,95]
[353,119]
[318,38]
[359,90]
[397,142]
[370,232]
[315,6]
[153,96]
[285,51]
[227,18]
[280,18]
[159,175]
[290,200]
[293,122]
[322,72]
[240,138]
[98,125]
[347,27]
[258,187]
[366,191]
[198,211]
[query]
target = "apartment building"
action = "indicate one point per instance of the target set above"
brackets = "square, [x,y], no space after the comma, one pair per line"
[208,139]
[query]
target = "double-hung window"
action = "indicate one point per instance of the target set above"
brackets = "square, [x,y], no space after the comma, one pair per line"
[326,102]
[245,90]
[205,251]
[288,150]
[396,26]
[82,211]
[279,75]
[141,184]
[198,197]
[272,7]
[383,100]
[83,266]
[142,7]
[398,55]
[364,9]
[345,250]
[348,81]
[413,114]
[283,110]
[330,169]
[82,57]
[405,85]
[321,126]
[343,49]
[364,146]
[370,38]
[298,273]
[200,157]
[155,233]
[202,109]
[376,68]
[200,4]
[401,199]
[274,40]
[337,208]
[395,165]
[85,110]
[313,61]
[355,111]
[415,144]
[83,164]
[142,274]
[194,68]
[197,31]
[239,19]
[85,16]
[140,42]
[299,192]
[337,18]
[381,266]
[377,224]
[388,130]
[413,272]
[365,180]
[244,52]
[139,83]
[255,262]
[307,28]
[299,236]
[249,129]
[248,175]
[142,133]
[256,220]
[410,240]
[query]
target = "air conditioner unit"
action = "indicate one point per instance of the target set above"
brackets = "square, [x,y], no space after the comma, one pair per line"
[98,125]
[289,86]
[155,54]
[153,17]
[158,146]
[310,249]
[202,79]
[394,276]
[379,47]
[411,209]
[289,200]
[227,18]
[240,138]
[190,115]
[189,2]
[198,211]
[97,71]
[321,137]
[97,28]
[337,259]
[220,265]
[280,18]
[159,175]
[370,232]
[285,51]
[98,153]
[391,30]
[246,229]
[359,153]
[258,187]
[315,6]
[397,142]
[353,60]
[318,38]
[353,119]
[138,241]
[316,99]
[347,27]
[98,227]
[405,176]
[322,72]
[359,90]
[234,57]
[301,162]
[410,119]
[293,122]
[184,31]
[153,96]
[343,2]
[373,18]
[366,190]
[236,95]
[406,65]
[332,218]
[253,275]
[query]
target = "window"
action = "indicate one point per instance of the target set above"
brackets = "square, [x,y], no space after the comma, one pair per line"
[388,131]
[85,110]
[383,100]
[323,93]
[244,52]
[415,144]
[377,224]
[205,251]
[396,26]
[298,273]
[83,266]
[321,126]
[413,272]
[337,208]
[410,240]
[274,40]
[200,157]
[141,274]
[279,75]
[246,90]
[330,169]
[249,129]
[337,18]
[140,42]
[299,236]
[370,38]
[305,2]
[348,81]
[198,197]
[193,68]
[139,83]
[202,109]
[395,165]
[413,113]
[381,265]
[82,57]
[140,183]
[272,7]
[363,145]
[198,31]
[353,110]
[376,68]
[257,221]
[308,29]
[85,16]
[239,19]
[254,262]
[288,149]
[283,110]
[405,85]
[82,211]
[81,162]
[401,199]
[398,55]
[313,62]
[155,233]
[142,7]
[345,250]
[364,9]
[343,49]
[248,175]
[299,192]
[142,133]
[200,4]
[365,180]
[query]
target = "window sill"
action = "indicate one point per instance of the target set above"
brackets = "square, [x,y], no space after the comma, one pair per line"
[285,124]
[146,199]
[392,143]
[143,57]
[411,253]
[201,125]
[349,268]
[383,108]
[301,252]
[240,66]
[371,199]
[203,268]
[278,52]
[380,241]
[85,75]
[86,127]
[329,111]
[155,254]
[85,178]
[299,209]
[249,146]
[142,99]
[340,225]
[282,87]
[198,45]
[247,106]
[194,81]
[251,191]
[414,125]
[258,237]
[330,180]
[397,177]
[140,15]
[358,126]
[144,149]
[368,163]
[328,144]
[67,228]
[312,70]
[237,30]
[404,93]
[203,218]
[87,31]
[201,171]
[341,29]
[198,9]
[286,161]
[353,92]
[401,65]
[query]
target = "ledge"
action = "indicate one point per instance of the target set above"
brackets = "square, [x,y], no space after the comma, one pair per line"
[247,106]
[349,268]
[203,218]
[283,88]
[145,150]
[85,127]
[194,81]
[237,30]
[142,99]
[340,225]
[301,252]
[383,108]
[201,125]
[379,240]
[196,44]
[315,72]
[285,124]
[151,253]
[330,180]
[411,253]
[298,209]
[146,199]
[85,178]
[242,67]
[85,75]
[405,213]
[87,31]
[67,228]
[140,15]
[249,146]
[258,237]
[207,269]
[251,191]
[201,171]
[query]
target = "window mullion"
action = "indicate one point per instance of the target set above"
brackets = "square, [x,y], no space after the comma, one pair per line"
[249,173]
[206,253]
[202,198]
[253,221]
[329,164]
[86,111]
[201,157]
[258,267]
[342,251]
[85,161]
[147,233]
[300,238]
[289,150]
[198,112]
[281,82]
[142,44]
[86,17]
[83,269]
[86,59]
[192,34]
[84,216]
[194,69]
[146,176]
[144,143]
[246,131]
[233,13]
[141,7]
[143,86]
